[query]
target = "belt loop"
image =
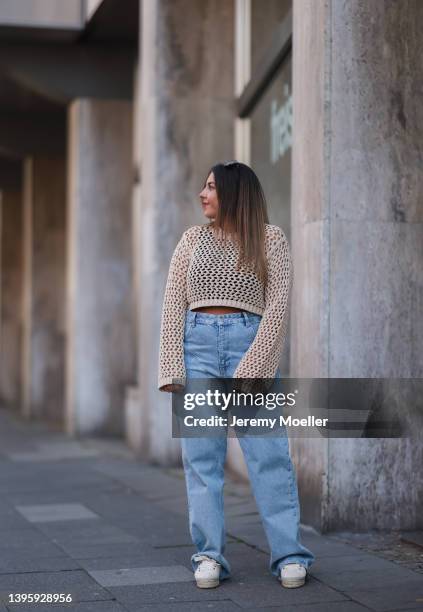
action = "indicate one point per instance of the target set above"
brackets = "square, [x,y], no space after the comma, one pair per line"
[194,318]
[246,319]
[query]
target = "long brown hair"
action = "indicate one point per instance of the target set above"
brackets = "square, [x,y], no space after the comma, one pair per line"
[242,213]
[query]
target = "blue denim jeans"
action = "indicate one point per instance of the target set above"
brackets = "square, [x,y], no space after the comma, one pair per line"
[213,347]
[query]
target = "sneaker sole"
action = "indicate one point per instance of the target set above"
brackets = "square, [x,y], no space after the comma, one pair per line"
[207,584]
[292,583]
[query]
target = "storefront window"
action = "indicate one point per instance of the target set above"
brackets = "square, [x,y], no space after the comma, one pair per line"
[266,15]
[271,145]
[270,120]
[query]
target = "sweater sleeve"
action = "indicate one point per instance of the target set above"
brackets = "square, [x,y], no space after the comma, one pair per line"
[261,360]
[171,349]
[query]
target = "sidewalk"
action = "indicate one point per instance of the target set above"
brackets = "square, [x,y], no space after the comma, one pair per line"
[87,519]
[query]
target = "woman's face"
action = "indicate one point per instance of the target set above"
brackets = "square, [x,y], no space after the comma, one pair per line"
[208,198]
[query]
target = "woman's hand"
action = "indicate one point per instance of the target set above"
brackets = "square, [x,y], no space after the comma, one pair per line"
[172,388]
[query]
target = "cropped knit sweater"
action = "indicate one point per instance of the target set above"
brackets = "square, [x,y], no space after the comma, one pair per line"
[202,273]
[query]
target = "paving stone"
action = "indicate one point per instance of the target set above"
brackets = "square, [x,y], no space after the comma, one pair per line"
[86,533]
[252,535]
[242,564]
[9,565]
[170,537]
[325,547]
[149,525]
[364,561]
[237,505]
[233,524]
[148,557]
[28,542]
[118,467]
[365,579]
[257,596]
[24,494]
[189,606]
[390,545]
[337,606]
[181,556]
[101,551]
[153,484]
[53,451]
[238,489]
[72,495]
[132,597]
[12,521]
[86,606]
[142,575]
[113,448]
[57,473]
[153,526]
[405,596]
[71,538]
[123,503]
[55,512]
[176,505]
[240,508]
[78,583]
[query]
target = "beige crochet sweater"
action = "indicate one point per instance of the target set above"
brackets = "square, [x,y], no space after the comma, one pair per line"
[202,273]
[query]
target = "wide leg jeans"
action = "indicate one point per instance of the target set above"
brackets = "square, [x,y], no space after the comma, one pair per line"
[213,347]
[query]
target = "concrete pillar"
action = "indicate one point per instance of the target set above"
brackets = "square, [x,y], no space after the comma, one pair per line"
[11,298]
[100,354]
[357,244]
[136,420]
[187,113]
[43,288]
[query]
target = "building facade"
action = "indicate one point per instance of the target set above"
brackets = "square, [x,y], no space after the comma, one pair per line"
[110,119]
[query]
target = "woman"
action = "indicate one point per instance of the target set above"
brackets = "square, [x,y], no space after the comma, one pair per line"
[225,314]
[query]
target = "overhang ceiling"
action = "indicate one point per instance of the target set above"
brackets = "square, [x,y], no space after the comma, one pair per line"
[14,98]
[115,22]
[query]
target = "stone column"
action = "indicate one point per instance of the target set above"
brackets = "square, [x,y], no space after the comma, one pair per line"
[187,114]
[357,243]
[11,298]
[100,352]
[43,288]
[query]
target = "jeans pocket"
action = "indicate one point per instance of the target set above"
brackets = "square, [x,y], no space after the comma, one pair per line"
[188,329]
[252,330]
[198,342]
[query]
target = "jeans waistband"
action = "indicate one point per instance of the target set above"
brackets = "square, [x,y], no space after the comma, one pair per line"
[207,318]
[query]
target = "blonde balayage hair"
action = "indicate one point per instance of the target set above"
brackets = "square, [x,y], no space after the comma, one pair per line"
[242,214]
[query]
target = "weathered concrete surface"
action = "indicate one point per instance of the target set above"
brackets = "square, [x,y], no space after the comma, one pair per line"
[309,231]
[100,350]
[44,287]
[357,241]
[185,94]
[11,298]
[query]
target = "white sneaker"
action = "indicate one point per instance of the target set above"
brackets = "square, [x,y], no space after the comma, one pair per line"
[293,575]
[207,572]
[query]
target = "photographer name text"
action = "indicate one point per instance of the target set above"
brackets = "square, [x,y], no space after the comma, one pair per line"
[221,421]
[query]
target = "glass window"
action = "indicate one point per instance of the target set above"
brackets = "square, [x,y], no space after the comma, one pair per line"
[266,15]
[271,145]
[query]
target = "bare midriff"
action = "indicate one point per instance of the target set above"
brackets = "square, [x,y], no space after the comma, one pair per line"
[217,309]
